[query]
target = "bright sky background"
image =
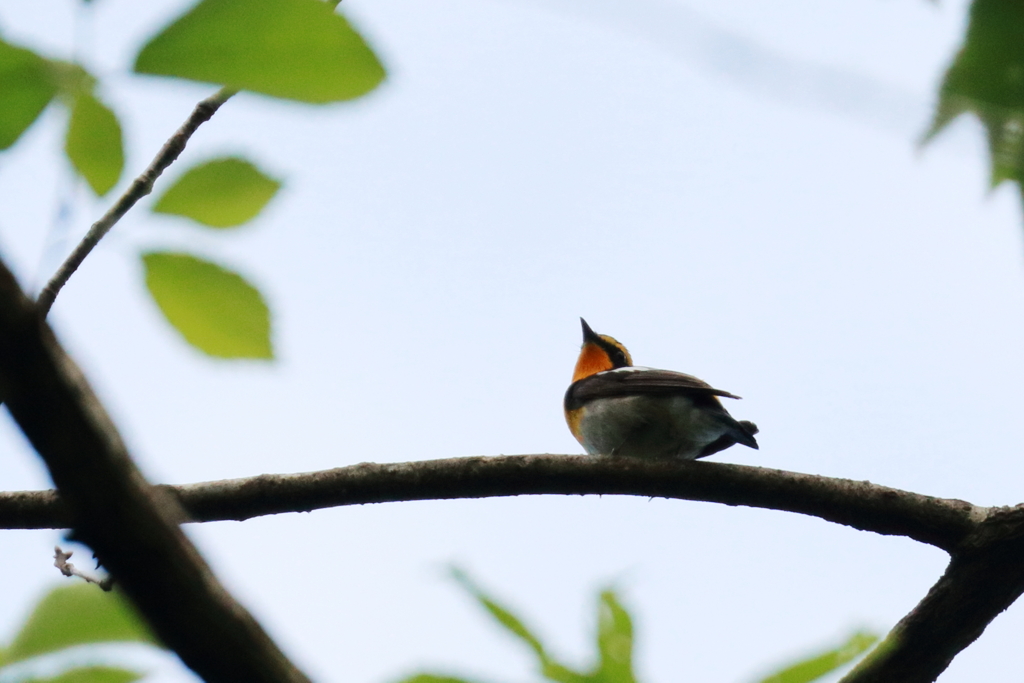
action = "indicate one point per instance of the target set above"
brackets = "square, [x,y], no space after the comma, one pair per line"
[731,188]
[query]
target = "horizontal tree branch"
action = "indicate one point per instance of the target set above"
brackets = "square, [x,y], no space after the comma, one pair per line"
[986,573]
[131,526]
[985,576]
[860,504]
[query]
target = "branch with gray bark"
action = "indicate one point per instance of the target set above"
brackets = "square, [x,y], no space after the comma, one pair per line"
[986,545]
[860,504]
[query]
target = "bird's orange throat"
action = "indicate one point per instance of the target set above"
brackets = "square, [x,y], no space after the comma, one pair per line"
[593,359]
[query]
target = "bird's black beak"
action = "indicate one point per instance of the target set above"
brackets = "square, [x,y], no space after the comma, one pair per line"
[588,334]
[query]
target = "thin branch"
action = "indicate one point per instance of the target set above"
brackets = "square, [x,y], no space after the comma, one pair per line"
[139,188]
[863,505]
[131,526]
[60,561]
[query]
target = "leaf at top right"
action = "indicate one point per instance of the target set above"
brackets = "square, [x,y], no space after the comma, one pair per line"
[987,79]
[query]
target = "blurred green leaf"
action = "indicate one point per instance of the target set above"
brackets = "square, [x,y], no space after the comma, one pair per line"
[295,49]
[71,79]
[987,79]
[93,143]
[815,667]
[501,614]
[221,193]
[216,310]
[614,641]
[91,674]
[26,87]
[74,615]
[615,646]
[551,669]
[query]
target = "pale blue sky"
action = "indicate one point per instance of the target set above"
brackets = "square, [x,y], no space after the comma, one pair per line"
[732,189]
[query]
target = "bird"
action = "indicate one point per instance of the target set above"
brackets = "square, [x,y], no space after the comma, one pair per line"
[615,408]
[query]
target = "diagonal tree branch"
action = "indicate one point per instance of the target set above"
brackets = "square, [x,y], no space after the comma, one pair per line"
[139,188]
[132,526]
[863,505]
[984,577]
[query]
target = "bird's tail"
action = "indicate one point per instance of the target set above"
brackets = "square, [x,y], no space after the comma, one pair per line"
[745,433]
[741,431]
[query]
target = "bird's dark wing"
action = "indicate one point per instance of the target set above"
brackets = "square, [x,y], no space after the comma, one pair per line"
[639,381]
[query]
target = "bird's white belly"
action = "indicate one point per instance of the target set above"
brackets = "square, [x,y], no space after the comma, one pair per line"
[647,427]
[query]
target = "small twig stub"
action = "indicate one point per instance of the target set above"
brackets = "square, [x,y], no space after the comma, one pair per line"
[60,561]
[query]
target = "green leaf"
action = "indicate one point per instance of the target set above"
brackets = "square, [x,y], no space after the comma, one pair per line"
[91,674]
[73,615]
[551,669]
[93,143]
[221,193]
[987,79]
[26,87]
[815,667]
[295,49]
[216,310]
[71,79]
[501,614]
[614,641]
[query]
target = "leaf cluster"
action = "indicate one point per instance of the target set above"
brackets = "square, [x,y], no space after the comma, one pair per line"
[987,79]
[613,662]
[300,50]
